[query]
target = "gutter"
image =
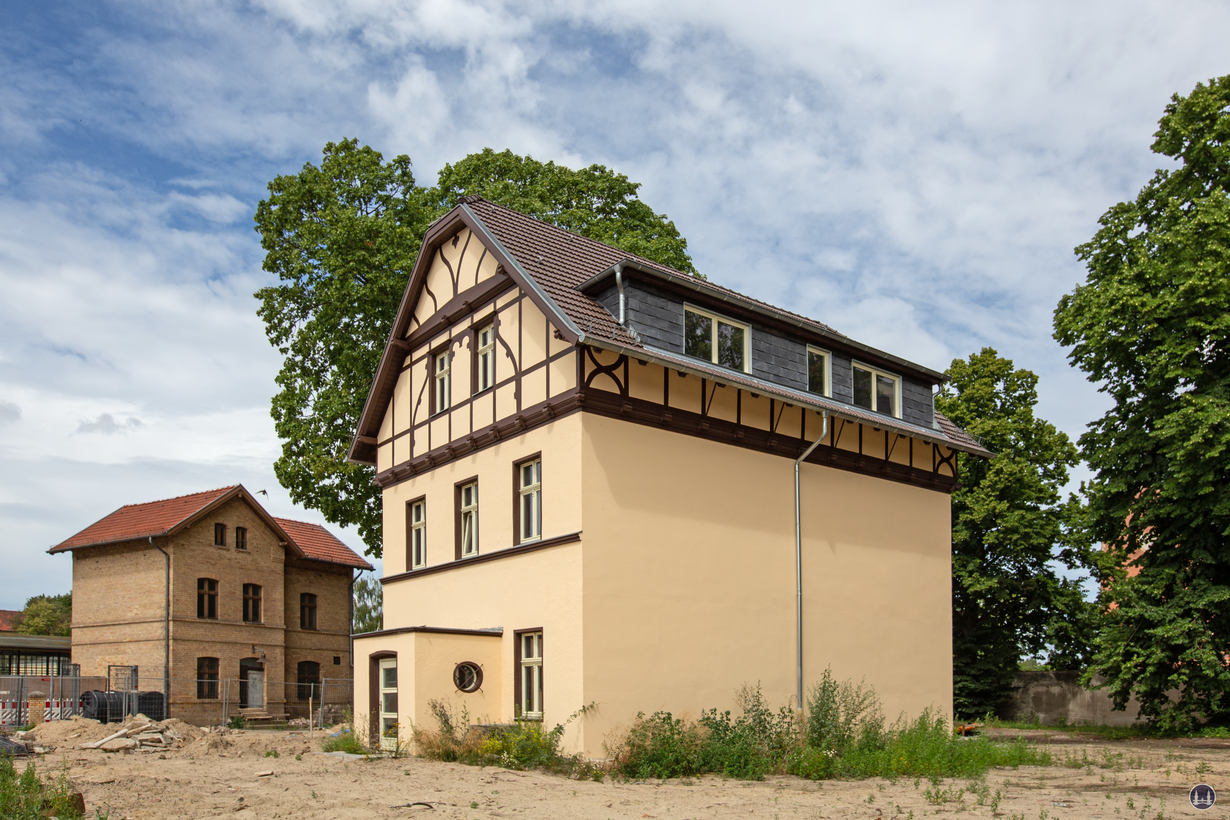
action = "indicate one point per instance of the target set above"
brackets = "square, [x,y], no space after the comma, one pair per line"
[166,633]
[798,549]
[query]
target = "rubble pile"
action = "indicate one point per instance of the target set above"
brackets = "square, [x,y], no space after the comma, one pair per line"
[137,733]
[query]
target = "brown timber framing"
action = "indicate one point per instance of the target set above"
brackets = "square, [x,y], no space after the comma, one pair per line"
[363,447]
[774,440]
[482,558]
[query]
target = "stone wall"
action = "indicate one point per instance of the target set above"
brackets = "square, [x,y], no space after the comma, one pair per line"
[1052,698]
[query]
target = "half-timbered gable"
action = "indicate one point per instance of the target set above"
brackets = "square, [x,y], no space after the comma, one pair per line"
[569,437]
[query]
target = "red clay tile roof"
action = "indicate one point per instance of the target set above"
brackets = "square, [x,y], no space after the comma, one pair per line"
[134,521]
[319,544]
[6,619]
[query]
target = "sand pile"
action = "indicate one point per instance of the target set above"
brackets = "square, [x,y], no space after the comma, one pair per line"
[135,733]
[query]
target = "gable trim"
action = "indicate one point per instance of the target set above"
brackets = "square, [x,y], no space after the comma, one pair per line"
[362,446]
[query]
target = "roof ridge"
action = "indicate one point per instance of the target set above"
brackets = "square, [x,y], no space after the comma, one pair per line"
[177,497]
[704,282]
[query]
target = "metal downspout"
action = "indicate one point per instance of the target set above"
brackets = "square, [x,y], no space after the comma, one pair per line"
[619,283]
[166,633]
[798,548]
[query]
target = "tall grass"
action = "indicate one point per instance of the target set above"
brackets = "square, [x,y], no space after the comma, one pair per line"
[29,797]
[841,734]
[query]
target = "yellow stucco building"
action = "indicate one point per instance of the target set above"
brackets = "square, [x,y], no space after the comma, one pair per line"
[588,465]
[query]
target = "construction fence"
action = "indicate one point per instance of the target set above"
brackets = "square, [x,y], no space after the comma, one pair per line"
[26,699]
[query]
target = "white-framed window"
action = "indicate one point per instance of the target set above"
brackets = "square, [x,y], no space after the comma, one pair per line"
[877,391]
[716,339]
[819,373]
[531,675]
[529,500]
[416,517]
[388,704]
[467,507]
[443,383]
[484,364]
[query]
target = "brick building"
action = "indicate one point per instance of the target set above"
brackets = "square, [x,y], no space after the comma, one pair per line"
[238,607]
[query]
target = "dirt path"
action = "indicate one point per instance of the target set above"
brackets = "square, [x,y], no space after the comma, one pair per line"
[238,774]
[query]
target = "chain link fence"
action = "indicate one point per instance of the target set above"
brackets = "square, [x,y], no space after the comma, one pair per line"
[210,701]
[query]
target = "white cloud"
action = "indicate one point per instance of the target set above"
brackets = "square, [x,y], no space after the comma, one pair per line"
[106,425]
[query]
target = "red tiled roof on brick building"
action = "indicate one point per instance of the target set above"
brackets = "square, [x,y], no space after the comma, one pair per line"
[134,522]
[6,619]
[319,544]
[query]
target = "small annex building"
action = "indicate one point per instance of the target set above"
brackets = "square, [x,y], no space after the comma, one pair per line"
[587,463]
[216,591]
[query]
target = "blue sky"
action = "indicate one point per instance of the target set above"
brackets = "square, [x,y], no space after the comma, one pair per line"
[915,175]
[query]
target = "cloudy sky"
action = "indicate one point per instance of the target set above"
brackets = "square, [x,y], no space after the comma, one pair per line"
[914,174]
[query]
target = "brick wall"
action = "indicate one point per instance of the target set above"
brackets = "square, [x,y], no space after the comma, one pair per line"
[118,612]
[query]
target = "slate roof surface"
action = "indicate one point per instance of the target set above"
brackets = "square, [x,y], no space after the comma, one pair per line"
[319,544]
[134,521]
[561,261]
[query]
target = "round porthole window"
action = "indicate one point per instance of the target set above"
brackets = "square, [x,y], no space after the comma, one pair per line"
[468,676]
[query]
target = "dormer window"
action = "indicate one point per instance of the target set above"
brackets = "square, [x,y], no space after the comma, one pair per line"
[716,339]
[877,391]
[818,380]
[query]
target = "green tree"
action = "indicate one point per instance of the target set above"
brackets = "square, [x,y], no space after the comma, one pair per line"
[1010,529]
[368,604]
[342,239]
[46,615]
[1151,326]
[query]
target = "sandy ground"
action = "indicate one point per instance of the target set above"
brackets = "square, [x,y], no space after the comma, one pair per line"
[214,775]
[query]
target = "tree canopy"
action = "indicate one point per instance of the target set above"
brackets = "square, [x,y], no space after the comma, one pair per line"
[1010,531]
[46,615]
[368,604]
[342,238]
[1151,326]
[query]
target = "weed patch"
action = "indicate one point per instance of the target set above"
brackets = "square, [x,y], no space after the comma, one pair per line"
[29,797]
[842,734]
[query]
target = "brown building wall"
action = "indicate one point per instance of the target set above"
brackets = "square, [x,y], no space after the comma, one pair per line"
[118,608]
[118,613]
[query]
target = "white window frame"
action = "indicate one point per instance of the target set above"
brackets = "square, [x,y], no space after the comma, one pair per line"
[469,519]
[529,496]
[828,370]
[531,676]
[875,393]
[443,381]
[714,318]
[418,533]
[484,360]
[388,719]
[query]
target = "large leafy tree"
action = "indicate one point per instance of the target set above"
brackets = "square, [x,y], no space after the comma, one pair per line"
[368,614]
[342,238]
[1011,531]
[46,615]
[1151,326]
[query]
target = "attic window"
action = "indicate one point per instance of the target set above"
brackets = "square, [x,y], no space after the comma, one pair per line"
[877,391]
[241,538]
[219,535]
[716,339]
